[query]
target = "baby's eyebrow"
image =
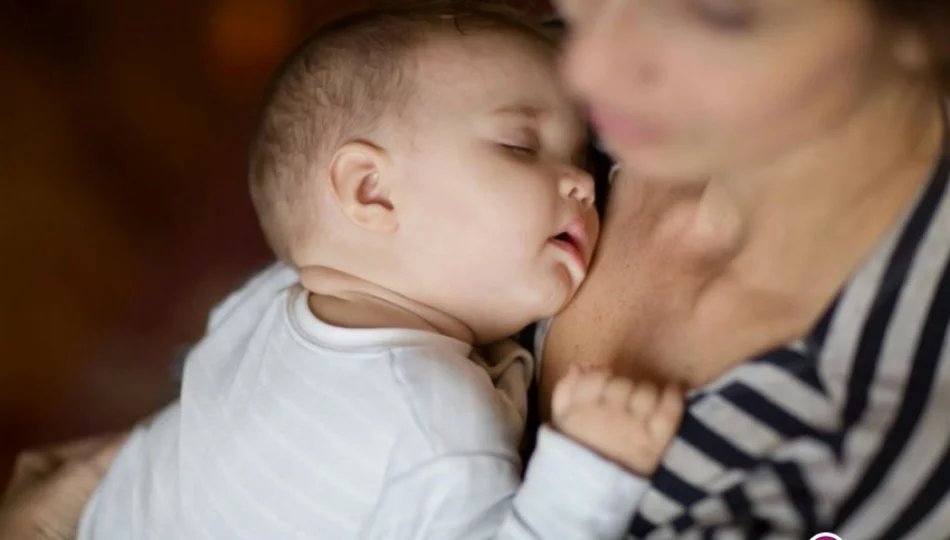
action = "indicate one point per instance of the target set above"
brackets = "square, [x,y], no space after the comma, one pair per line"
[536,113]
[527,111]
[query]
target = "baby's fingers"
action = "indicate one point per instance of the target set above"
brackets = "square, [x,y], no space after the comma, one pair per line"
[666,418]
[618,391]
[564,390]
[578,388]
[643,400]
[590,387]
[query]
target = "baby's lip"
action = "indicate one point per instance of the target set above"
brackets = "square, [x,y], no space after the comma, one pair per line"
[575,234]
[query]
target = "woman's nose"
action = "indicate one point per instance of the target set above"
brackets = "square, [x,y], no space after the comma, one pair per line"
[577,185]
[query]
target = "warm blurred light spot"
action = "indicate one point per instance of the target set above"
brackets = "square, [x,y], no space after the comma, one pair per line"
[246,39]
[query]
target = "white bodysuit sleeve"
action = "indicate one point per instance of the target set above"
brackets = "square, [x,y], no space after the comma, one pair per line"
[568,493]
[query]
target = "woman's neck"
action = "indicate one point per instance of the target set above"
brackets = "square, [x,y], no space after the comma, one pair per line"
[770,249]
[825,204]
[344,300]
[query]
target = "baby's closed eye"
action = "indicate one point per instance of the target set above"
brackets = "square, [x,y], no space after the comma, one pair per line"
[520,149]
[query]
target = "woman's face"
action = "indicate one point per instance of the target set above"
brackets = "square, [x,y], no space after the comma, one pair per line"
[691,88]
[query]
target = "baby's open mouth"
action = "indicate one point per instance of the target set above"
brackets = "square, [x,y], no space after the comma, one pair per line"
[573,240]
[565,237]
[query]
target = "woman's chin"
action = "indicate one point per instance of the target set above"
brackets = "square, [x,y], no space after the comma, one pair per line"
[660,164]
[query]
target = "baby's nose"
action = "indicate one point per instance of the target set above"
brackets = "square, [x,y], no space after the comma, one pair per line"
[578,185]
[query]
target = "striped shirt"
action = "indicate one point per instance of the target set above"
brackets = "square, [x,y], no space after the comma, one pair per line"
[846,430]
[288,427]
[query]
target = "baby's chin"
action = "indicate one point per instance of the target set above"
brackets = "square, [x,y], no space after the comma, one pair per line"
[563,289]
[542,299]
[516,320]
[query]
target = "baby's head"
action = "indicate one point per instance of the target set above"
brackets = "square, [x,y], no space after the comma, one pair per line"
[431,150]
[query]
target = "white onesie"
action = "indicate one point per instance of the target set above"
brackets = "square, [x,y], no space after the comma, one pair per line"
[288,427]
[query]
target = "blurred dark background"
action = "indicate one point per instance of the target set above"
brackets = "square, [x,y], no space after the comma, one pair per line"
[124,212]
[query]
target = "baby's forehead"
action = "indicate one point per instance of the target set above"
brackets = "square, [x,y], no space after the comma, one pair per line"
[487,72]
[485,51]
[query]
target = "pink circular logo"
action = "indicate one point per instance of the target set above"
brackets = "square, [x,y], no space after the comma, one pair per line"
[826,536]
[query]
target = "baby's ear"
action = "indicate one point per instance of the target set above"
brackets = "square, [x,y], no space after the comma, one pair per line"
[360,185]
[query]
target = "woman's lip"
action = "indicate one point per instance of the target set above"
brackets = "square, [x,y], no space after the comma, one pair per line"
[614,126]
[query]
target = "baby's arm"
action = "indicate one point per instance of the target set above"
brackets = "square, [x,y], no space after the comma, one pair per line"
[569,491]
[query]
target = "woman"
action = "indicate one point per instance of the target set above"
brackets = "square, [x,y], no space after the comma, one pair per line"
[777,239]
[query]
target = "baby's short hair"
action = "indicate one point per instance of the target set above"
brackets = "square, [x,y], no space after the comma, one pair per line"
[336,87]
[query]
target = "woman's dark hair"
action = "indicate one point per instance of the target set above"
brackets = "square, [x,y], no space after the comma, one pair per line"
[932,19]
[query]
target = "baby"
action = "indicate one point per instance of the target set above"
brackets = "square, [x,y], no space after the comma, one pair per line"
[419,170]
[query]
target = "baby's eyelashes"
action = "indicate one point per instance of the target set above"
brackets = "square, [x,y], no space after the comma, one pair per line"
[532,152]
[522,150]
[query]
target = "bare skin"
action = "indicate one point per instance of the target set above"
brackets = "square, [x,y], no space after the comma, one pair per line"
[630,423]
[767,149]
[680,266]
[50,487]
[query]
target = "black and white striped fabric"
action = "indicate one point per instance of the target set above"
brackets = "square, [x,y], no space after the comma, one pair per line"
[845,431]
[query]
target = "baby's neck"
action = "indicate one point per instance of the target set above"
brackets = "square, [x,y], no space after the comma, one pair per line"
[348,301]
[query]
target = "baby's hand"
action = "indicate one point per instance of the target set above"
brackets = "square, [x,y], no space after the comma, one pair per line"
[627,422]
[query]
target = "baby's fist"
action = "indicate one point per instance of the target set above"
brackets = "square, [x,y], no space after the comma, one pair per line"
[629,423]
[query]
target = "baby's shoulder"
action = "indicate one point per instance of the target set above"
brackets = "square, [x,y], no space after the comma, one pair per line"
[254,294]
[454,405]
